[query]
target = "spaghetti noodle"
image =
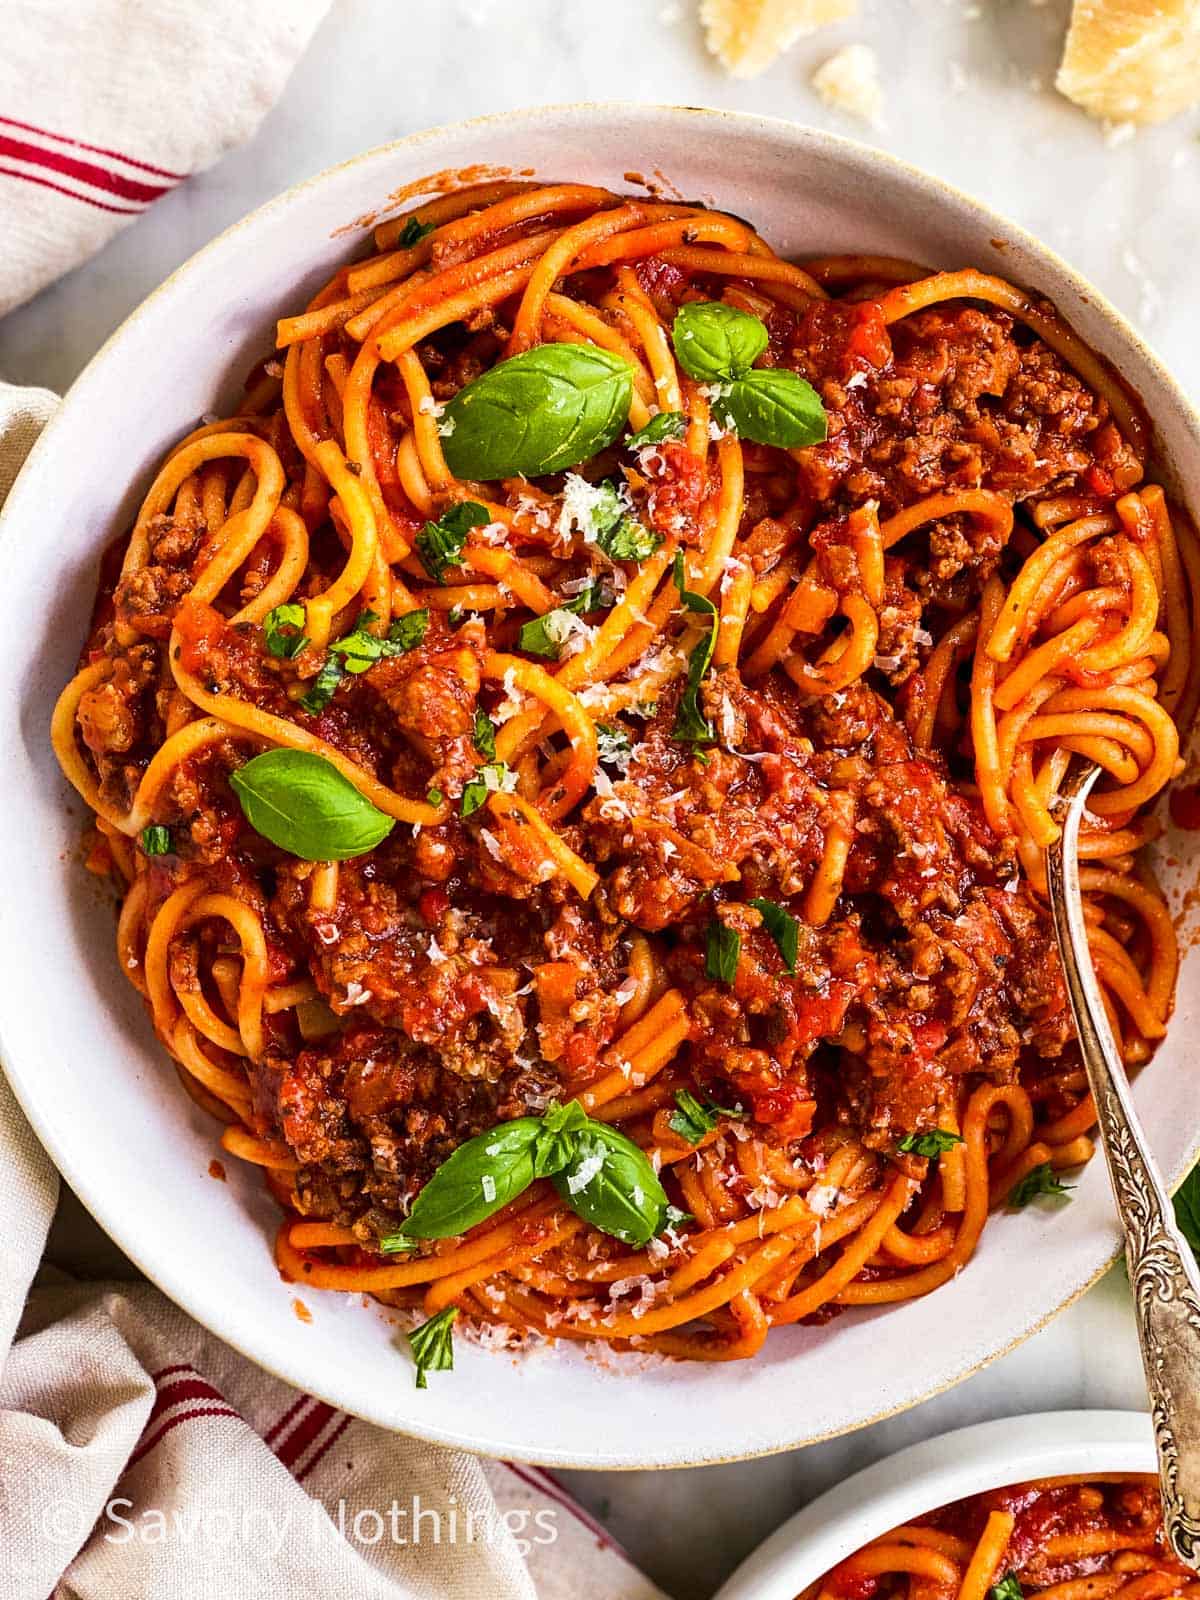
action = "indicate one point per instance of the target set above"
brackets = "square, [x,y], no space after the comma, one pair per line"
[1052,1539]
[715,769]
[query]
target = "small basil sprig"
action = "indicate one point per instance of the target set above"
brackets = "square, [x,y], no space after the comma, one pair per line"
[432,1345]
[718,344]
[783,928]
[932,1143]
[1041,1180]
[600,1173]
[303,804]
[691,725]
[440,544]
[715,343]
[542,411]
[283,632]
[661,427]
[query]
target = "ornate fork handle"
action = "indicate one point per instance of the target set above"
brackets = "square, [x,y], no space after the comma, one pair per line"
[1162,1269]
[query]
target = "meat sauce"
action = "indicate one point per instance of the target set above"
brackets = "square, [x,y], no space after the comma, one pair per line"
[937,959]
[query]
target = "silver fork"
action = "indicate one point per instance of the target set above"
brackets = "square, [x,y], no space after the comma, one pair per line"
[1162,1268]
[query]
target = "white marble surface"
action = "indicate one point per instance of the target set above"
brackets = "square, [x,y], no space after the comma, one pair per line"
[968,97]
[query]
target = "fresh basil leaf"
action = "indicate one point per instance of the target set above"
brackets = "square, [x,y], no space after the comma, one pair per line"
[477,1180]
[434,797]
[693,1120]
[394,1244]
[722,947]
[488,779]
[933,1142]
[1187,1209]
[407,632]
[440,544]
[432,1345]
[715,343]
[561,1126]
[303,804]
[1040,1181]
[323,685]
[610,1182]
[773,406]
[156,840]
[542,411]
[283,630]
[783,928]
[413,231]
[1009,1588]
[613,744]
[691,725]
[665,425]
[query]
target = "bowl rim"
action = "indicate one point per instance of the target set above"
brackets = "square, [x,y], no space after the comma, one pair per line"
[103,1203]
[923,1477]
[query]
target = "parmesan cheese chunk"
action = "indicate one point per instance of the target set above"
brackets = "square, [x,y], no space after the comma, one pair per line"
[1132,60]
[849,82]
[747,35]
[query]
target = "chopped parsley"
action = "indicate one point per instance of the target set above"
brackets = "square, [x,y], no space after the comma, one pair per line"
[693,1120]
[546,635]
[1036,1183]
[783,928]
[440,544]
[392,1244]
[1009,1588]
[432,1345]
[282,629]
[434,797]
[933,1143]
[408,631]
[722,948]
[691,725]
[413,231]
[614,744]
[156,840]
[359,649]
[490,779]
[326,681]
[483,734]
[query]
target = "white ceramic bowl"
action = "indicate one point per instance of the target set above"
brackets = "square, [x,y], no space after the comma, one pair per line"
[913,1482]
[79,1050]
